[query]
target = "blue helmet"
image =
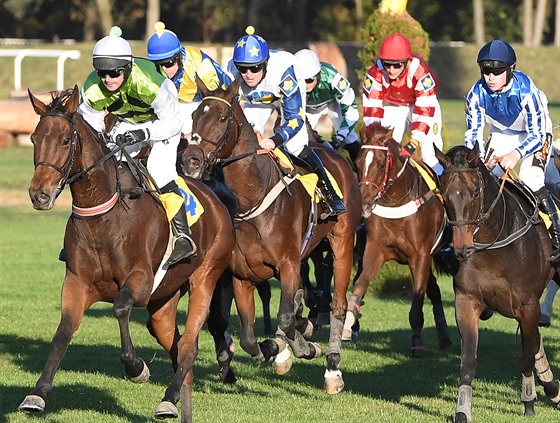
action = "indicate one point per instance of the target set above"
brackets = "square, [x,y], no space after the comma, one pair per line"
[162,45]
[496,54]
[250,49]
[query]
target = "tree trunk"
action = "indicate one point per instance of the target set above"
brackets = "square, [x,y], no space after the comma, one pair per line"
[478,17]
[105,9]
[540,16]
[152,16]
[557,25]
[90,21]
[527,22]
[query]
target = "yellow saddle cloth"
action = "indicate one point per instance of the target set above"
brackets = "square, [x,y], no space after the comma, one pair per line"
[173,203]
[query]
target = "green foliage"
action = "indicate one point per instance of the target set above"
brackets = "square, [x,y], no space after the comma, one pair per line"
[379,25]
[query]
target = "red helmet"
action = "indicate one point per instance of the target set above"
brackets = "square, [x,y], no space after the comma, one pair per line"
[395,47]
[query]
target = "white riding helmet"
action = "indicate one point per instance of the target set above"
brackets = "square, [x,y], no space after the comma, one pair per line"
[308,63]
[112,51]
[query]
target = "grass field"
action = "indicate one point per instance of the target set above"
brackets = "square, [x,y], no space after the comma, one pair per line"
[382,383]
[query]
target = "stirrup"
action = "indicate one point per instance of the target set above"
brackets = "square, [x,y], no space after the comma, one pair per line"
[555,256]
[179,252]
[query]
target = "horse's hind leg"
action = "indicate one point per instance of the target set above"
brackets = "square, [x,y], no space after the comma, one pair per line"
[434,294]
[530,341]
[420,268]
[545,376]
[163,327]
[265,295]
[75,300]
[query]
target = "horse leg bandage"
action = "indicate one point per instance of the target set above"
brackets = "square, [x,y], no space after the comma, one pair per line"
[528,392]
[464,401]
[541,364]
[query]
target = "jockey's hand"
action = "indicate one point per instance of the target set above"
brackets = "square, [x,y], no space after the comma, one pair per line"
[135,135]
[267,144]
[509,160]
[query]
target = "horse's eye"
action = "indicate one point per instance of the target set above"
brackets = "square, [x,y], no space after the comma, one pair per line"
[223,118]
[66,141]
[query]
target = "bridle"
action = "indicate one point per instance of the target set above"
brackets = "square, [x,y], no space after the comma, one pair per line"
[482,215]
[387,181]
[213,156]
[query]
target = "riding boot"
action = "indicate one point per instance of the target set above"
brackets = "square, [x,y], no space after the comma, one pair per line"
[547,205]
[334,204]
[184,245]
[353,150]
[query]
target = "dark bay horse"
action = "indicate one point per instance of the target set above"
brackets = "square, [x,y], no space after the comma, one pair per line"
[404,221]
[272,242]
[503,249]
[114,246]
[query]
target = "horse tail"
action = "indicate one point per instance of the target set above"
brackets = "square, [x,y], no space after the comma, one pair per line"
[445,263]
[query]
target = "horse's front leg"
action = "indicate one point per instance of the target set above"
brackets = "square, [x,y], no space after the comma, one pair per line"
[420,268]
[342,265]
[135,368]
[466,315]
[545,376]
[76,298]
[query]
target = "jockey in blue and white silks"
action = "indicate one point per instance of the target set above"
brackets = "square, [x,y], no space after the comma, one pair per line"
[269,80]
[520,125]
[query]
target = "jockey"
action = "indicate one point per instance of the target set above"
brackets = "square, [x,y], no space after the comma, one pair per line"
[330,94]
[182,65]
[520,125]
[269,81]
[145,104]
[400,92]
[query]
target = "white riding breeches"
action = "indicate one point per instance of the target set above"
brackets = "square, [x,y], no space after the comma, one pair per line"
[162,157]
[400,119]
[502,144]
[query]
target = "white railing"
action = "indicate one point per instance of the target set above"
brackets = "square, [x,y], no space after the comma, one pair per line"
[20,54]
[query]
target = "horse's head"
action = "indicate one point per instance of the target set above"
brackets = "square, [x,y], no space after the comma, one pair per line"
[461,186]
[54,141]
[377,164]
[217,123]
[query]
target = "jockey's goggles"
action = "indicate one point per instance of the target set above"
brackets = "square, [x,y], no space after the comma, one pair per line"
[310,80]
[111,73]
[253,69]
[494,71]
[392,64]
[168,62]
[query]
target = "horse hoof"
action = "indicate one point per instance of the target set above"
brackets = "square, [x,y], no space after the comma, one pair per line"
[32,403]
[143,376]
[282,362]
[333,382]
[461,418]
[166,410]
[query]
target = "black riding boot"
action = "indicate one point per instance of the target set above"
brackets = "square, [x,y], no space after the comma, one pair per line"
[335,206]
[546,205]
[184,245]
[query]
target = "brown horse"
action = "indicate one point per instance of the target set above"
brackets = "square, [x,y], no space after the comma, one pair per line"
[114,246]
[404,221]
[273,243]
[503,249]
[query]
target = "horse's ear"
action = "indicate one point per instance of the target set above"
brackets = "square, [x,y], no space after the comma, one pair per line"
[233,89]
[202,86]
[473,158]
[442,158]
[74,100]
[363,133]
[37,104]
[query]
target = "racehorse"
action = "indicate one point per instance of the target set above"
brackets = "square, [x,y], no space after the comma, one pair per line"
[404,221]
[114,246]
[503,249]
[274,236]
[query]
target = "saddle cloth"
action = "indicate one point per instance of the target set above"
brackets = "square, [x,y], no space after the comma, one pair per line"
[172,203]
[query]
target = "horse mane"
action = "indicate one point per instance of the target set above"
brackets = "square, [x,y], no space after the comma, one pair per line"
[58,101]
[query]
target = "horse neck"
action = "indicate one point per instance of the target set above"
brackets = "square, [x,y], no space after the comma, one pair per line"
[98,185]
[406,180]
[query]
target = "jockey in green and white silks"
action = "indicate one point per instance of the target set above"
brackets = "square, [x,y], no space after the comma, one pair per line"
[145,103]
[329,94]
[182,65]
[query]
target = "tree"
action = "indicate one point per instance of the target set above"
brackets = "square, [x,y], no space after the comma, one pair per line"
[478,19]
[152,16]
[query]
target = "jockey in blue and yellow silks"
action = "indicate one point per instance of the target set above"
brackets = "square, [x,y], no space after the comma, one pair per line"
[182,65]
[145,103]
[270,81]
